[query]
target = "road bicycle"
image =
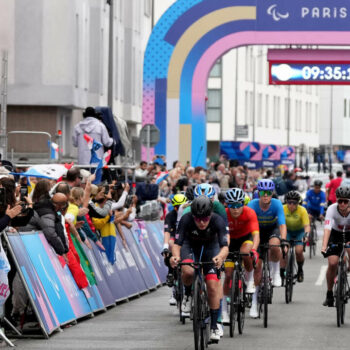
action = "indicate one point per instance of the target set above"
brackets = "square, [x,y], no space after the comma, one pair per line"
[266,287]
[239,299]
[312,238]
[291,268]
[179,293]
[200,306]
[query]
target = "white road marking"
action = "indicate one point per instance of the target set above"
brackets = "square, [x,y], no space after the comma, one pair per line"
[322,275]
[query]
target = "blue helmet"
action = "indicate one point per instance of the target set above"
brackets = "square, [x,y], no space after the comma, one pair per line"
[266,185]
[204,190]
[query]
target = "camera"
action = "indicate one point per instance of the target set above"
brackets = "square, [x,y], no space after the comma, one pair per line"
[106,189]
[23,193]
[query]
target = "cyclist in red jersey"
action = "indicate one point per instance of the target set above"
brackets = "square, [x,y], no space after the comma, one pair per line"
[244,237]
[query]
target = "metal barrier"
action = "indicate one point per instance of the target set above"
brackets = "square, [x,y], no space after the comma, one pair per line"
[34,133]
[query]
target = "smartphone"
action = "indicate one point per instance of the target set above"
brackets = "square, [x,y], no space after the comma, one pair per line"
[23,192]
[106,189]
[2,196]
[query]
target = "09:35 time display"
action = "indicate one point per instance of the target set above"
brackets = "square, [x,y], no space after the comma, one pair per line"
[337,73]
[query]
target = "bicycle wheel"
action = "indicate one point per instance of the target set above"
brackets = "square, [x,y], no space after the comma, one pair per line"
[314,238]
[344,292]
[180,296]
[205,330]
[197,313]
[289,278]
[241,305]
[311,241]
[266,281]
[233,302]
[339,294]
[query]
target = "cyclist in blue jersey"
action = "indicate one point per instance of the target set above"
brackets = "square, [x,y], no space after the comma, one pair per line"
[315,201]
[273,230]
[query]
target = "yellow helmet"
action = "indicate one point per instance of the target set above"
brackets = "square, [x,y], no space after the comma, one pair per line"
[178,199]
[246,200]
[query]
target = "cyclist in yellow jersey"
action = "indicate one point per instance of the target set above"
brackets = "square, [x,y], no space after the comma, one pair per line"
[298,227]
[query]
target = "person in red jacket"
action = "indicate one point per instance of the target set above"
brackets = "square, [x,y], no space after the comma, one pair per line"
[333,185]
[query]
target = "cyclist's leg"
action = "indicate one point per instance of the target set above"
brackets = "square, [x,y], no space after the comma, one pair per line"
[275,257]
[299,253]
[187,274]
[283,261]
[246,247]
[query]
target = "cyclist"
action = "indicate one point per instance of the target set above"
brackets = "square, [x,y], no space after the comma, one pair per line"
[170,225]
[315,201]
[337,218]
[202,236]
[298,226]
[273,230]
[244,237]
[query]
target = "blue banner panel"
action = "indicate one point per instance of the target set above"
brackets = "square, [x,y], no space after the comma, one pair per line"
[140,233]
[145,268]
[102,285]
[42,303]
[48,278]
[155,247]
[111,275]
[76,297]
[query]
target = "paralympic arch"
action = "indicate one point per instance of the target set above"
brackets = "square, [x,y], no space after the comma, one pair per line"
[193,34]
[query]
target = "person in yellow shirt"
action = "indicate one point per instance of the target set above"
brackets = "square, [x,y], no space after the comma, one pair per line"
[298,228]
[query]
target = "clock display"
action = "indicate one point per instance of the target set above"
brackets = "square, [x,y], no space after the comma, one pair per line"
[309,73]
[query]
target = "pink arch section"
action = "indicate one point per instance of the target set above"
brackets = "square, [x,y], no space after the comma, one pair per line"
[201,73]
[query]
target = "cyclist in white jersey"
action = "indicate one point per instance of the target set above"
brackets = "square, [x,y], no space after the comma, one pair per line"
[337,219]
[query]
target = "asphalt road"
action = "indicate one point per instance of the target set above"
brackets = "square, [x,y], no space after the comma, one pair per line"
[150,323]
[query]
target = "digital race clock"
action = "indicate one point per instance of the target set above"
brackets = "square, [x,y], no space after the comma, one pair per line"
[282,73]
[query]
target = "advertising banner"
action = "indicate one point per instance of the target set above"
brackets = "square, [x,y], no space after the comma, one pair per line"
[42,305]
[271,156]
[287,155]
[104,296]
[48,277]
[135,249]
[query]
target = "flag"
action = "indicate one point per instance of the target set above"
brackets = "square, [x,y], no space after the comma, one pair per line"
[4,283]
[101,164]
[162,175]
[54,149]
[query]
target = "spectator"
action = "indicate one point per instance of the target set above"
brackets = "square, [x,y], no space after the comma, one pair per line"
[334,184]
[74,177]
[142,171]
[92,126]
[346,181]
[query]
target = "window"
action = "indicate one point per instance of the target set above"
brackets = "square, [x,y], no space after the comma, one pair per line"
[259,110]
[214,106]
[276,112]
[248,107]
[148,8]
[316,117]
[345,105]
[216,70]
[296,115]
[267,111]
[286,113]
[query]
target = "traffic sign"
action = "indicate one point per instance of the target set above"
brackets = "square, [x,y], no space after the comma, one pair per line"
[149,135]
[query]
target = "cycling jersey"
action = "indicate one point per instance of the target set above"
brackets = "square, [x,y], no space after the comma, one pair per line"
[218,208]
[246,223]
[268,219]
[170,223]
[315,202]
[334,220]
[297,220]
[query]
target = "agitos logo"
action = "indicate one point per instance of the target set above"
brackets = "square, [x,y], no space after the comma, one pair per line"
[277,16]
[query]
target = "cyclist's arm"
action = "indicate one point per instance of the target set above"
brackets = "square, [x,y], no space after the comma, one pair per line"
[326,234]
[256,240]
[176,252]
[254,229]
[283,231]
[327,229]
[305,221]
[323,203]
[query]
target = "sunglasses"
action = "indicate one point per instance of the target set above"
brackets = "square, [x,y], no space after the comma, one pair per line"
[204,219]
[235,205]
[60,205]
[292,202]
[262,193]
[343,201]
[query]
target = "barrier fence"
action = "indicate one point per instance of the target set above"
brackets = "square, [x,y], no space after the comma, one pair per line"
[53,293]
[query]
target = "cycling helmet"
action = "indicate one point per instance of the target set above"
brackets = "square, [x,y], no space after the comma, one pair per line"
[256,194]
[201,207]
[293,195]
[343,192]
[234,195]
[204,190]
[189,193]
[318,183]
[246,200]
[266,185]
[178,199]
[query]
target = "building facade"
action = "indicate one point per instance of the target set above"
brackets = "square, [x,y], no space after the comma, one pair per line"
[58,55]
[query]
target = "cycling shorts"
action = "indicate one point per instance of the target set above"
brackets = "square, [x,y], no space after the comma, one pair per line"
[335,238]
[235,244]
[314,213]
[267,234]
[194,254]
[296,236]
